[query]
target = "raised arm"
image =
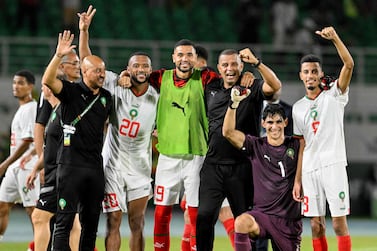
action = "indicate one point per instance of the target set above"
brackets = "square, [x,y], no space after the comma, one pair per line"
[84,23]
[271,82]
[63,48]
[345,76]
[235,137]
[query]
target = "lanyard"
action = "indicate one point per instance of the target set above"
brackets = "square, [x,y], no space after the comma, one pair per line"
[79,117]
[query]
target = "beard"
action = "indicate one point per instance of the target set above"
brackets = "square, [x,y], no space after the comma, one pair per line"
[136,81]
[189,69]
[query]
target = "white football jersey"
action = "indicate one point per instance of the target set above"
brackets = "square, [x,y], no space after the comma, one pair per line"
[23,128]
[128,143]
[320,122]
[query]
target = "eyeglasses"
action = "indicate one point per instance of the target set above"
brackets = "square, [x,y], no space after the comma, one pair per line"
[76,63]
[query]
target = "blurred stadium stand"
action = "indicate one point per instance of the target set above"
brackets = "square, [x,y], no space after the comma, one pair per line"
[34,54]
[121,27]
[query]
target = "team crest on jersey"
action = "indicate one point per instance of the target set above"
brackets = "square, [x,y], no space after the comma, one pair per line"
[103,101]
[62,203]
[290,153]
[314,114]
[133,113]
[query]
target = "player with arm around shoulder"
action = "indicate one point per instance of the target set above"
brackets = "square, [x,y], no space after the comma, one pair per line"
[275,160]
[127,150]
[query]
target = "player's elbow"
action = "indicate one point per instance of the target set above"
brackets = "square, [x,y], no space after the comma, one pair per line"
[227,133]
[350,64]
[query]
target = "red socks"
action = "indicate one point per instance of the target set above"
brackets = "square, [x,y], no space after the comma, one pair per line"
[320,244]
[229,228]
[185,243]
[162,217]
[344,243]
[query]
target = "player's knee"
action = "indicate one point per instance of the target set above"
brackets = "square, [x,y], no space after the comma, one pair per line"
[340,226]
[38,220]
[244,223]
[113,220]
[136,223]
[4,209]
[318,226]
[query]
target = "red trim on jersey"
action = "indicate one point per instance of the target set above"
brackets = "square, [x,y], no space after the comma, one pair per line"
[208,75]
[139,93]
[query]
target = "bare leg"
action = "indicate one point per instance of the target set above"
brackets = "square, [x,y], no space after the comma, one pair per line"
[4,216]
[74,237]
[113,239]
[136,214]
[41,222]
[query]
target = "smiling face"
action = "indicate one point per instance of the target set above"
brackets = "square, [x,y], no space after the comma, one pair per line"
[230,68]
[184,58]
[274,125]
[139,68]
[93,71]
[311,74]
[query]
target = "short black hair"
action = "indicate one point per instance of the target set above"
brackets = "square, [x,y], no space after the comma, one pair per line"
[228,52]
[30,78]
[184,42]
[310,58]
[139,53]
[272,109]
[201,52]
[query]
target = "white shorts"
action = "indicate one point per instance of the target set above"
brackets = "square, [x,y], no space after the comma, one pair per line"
[13,187]
[176,173]
[328,183]
[118,194]
[225,203]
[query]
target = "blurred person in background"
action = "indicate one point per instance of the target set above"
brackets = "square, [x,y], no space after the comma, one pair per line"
[13,189]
